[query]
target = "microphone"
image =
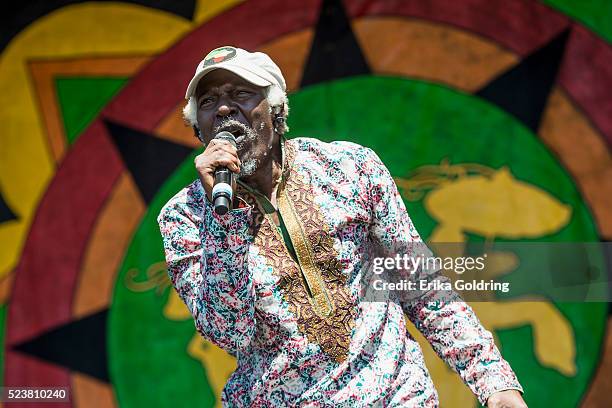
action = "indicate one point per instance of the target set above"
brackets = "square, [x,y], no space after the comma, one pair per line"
[223,187]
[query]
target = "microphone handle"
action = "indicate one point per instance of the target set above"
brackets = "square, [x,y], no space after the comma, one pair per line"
[223,190]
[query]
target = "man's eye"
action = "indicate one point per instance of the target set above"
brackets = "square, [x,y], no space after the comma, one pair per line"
[206,101]
[243,93]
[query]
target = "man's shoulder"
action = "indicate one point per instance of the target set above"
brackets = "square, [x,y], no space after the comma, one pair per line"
[334,151]
[189,201]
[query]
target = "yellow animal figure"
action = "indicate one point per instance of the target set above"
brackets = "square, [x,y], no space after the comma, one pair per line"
[475,199]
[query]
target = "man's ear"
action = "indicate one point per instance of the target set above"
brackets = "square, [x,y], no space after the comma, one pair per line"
[197,133]
[279,121]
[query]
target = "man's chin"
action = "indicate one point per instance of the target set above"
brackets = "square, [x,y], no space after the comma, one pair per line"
[248,167]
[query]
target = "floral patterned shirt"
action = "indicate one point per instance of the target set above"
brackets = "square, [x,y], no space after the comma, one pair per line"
[301,329]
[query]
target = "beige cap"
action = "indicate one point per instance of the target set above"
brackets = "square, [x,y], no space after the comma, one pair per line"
[255,67]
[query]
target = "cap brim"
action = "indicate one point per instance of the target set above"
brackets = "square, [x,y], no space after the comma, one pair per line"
[241,72]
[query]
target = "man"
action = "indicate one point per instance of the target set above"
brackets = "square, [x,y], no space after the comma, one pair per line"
[277,281]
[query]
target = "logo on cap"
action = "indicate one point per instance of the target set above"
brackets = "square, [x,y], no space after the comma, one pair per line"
[219,55]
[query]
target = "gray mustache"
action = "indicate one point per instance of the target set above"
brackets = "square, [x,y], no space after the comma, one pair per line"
[230,124]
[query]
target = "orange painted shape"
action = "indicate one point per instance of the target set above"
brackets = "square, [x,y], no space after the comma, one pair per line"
[584,153]
[91,393]
[598,394]
[6,283]
[174,129]
[290,53]
[597,190]
[431,51]
[106,248]
[44,72]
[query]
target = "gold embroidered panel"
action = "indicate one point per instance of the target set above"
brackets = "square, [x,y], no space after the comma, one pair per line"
[327,324]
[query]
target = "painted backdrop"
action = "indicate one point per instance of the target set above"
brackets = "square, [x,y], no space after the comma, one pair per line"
[494,117]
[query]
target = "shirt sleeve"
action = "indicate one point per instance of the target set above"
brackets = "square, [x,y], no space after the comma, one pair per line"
[445,320]
[207,265]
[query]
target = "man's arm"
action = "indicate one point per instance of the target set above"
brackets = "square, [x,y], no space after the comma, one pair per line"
[208,268]
[446,321]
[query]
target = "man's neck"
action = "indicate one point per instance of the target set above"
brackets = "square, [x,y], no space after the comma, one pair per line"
[267,176]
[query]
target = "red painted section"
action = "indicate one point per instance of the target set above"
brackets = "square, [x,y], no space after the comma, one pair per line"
[33,372]
[586,74]
[519,25]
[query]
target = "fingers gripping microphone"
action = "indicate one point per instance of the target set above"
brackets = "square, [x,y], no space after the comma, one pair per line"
[223,187]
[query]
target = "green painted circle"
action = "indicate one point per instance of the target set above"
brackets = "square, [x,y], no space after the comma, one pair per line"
[409,124]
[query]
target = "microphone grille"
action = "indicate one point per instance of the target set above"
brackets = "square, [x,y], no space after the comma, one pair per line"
[224,135]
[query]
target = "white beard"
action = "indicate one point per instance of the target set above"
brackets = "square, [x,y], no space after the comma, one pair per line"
[249,135]
[248,167]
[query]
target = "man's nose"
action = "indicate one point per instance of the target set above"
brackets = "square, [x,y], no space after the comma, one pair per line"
[226,108]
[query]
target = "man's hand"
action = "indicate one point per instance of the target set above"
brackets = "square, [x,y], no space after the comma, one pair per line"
[218,153]
[506,399]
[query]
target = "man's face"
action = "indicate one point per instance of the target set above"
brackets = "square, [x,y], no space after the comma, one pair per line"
[227,102]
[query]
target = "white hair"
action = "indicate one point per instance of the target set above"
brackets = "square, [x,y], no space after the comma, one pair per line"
[277,99]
